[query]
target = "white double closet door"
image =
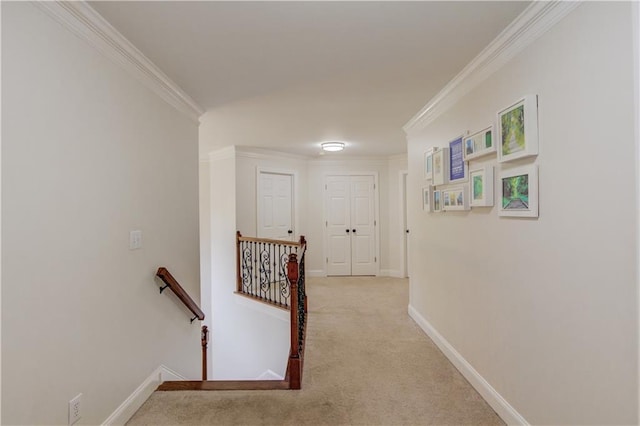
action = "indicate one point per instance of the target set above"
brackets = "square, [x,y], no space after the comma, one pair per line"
[350,225]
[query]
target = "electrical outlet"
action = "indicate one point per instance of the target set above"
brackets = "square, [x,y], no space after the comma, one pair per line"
[75,409]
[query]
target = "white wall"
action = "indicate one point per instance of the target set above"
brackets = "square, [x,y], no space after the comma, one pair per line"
[546,309]
[393,259]
[247,338]
[89,154]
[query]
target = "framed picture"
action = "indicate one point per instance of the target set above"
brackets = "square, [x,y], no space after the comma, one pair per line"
[518,129]
[440,166]
[519,192]
[479,144]
[437,201]
[481,187]
[455,198]
[426,199]
[457,166]
[428,164]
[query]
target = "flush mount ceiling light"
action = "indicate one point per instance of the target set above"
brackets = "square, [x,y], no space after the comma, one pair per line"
[332,146]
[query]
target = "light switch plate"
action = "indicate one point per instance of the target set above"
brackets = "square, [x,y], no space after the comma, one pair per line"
[135,240]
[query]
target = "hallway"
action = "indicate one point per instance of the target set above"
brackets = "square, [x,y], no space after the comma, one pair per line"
[366,362]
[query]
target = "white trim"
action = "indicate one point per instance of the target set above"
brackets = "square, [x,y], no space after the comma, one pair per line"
[266,154]
[128,408]
[262,307]
[295,206]
[269,375]
[493,398]
[222,154]
[82,20]
[404,222]
[393,273]
[316,273]
[532,23]
[349,161]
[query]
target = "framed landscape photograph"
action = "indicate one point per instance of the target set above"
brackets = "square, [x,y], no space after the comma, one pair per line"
[457,165]
[426,199]
[455,198]
[481,186]
[518,129]
[428,164]
[440,166]
[437,201]
[479,144]
[519,192]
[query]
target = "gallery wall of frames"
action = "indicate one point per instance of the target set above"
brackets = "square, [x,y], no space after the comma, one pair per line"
[455,181]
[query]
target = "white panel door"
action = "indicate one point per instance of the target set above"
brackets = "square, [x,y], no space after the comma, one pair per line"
[275,206]
[363,247]
[338,204]
[350,213]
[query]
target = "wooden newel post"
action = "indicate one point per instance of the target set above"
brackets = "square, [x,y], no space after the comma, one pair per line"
[238,266]
[294,356]
[204,340]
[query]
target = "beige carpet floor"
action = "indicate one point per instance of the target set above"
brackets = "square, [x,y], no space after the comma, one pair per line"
[367,363]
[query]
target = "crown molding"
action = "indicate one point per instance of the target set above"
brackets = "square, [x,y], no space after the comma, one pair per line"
[225,153]
[267,154]
[82,20]
[530,25]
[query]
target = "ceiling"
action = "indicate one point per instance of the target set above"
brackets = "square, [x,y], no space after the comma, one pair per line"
[288,75]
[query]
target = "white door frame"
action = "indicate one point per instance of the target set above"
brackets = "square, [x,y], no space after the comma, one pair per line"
[294,198]
[403,175]
[376,196]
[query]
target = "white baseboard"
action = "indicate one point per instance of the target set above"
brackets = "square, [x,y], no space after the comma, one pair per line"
[493,398]
[128,408]
[390,273]
[269,375]
[316,273]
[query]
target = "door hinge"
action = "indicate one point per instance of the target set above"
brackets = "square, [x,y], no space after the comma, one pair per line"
[326,223]
[325,187]
[374,186]
[327,260]
[375,223]
[375,260]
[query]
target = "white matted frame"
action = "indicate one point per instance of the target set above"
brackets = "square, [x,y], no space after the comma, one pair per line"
[455,198]
[518,192]
[458,166]
[517,129]
[436,201]
[428,164]
[479,144]
[481,187]
[440,166]
[427,203]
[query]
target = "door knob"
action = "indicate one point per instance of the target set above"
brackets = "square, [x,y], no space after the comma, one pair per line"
[289,231]
[407,231]
[353,230]
[347,231]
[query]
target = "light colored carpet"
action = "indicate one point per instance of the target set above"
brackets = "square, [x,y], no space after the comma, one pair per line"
[367,363]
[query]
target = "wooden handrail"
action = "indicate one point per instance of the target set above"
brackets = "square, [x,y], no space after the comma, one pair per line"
[171,282]
[268,241]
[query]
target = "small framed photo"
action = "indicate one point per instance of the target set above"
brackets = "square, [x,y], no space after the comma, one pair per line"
[437,201]
[479,144]
[428,164]
[440,166]
[455,198]
[481,187]
[427,204]
[518,129]
[519,192]
[457,166]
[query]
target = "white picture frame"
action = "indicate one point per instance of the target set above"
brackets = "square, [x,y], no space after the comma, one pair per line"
[458,167]
[427,203]
[481,187]
[517,129]
[518,192]
[440,166]
[428,164]
[436,201]
[455,198]
[479,144]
